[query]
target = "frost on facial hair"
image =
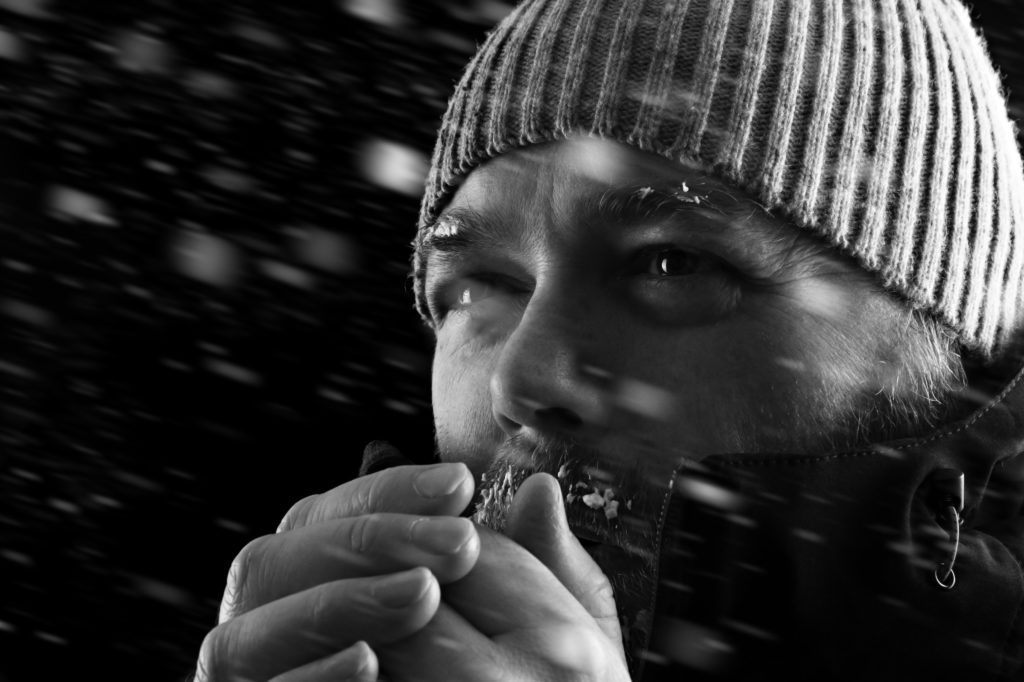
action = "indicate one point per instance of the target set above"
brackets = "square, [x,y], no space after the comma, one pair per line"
[580,491]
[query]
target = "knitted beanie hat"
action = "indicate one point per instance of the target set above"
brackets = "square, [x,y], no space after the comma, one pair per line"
[878,124]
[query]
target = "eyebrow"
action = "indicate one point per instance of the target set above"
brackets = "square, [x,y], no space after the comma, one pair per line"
[648,203]
[459,230]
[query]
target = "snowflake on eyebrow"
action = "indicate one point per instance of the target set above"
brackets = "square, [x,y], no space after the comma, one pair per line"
[447,226]
[683,194]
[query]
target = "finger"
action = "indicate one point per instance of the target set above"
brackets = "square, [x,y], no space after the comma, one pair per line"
[357,663]
[537,521]
[509,588]
[448,648]
[439,489]
[275,566]
[308,626]
[451,648]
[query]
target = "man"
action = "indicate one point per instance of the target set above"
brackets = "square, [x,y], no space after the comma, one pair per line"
[727,298]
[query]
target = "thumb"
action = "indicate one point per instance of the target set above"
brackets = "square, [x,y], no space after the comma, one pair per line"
[537,522]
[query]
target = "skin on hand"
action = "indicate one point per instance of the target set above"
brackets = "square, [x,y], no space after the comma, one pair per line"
[516,617]
[362,562]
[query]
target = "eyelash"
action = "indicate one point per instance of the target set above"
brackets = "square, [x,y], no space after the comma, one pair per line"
[447,298]
[697,260]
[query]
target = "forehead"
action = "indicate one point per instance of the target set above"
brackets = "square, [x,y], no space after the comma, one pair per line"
[544,192]
[559,173]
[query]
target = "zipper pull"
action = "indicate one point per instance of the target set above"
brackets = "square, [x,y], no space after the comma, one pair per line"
[946,500]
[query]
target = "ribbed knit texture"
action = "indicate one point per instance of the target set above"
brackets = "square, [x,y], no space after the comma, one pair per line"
[877,124]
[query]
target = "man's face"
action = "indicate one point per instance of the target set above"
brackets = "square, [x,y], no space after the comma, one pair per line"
[589,294]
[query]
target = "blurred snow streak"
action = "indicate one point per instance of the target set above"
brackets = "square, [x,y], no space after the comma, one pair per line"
[386,12]
[206,258]
[395,166]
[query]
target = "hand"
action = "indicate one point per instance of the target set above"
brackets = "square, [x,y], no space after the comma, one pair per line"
[348,570]
[534,607]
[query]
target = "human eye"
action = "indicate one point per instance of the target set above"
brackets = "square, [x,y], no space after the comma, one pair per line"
[474,293]
[469,291]
[668,261]
[680,284]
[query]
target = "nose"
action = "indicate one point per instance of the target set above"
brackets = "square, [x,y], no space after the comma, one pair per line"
[547,378]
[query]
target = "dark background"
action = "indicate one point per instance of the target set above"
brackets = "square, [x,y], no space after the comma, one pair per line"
[205,211]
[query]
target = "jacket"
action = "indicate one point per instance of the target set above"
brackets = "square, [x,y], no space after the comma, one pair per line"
[860,565]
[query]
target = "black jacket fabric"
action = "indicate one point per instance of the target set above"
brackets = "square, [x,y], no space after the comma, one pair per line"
[824,567]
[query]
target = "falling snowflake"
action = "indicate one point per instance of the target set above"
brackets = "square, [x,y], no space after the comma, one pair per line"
[395,167]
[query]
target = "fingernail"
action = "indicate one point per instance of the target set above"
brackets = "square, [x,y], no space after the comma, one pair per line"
[350,663]
[400,590]
[441,535]
[353,662]
[439,480]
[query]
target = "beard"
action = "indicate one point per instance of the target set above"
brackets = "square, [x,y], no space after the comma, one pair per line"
[609,500]
[613,505]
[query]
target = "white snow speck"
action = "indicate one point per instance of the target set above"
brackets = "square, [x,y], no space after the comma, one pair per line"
[328,251]
[209,84]
[51,638]
[288,274]
[29,8]
[26,312]
[206,258]
[18,266]
[395,167]
[142,53]
[230,370]
[384,12]
[12,47]
[228,179]
[160,167]
[334,396]
[16,370]
[68,203]
[791,364]
[644,399]
[809,536]
[709,494]
[400,406]
[260,35]
[594,500]
[481,11]
[17,557]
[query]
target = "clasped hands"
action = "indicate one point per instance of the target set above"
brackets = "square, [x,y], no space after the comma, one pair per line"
[380,579]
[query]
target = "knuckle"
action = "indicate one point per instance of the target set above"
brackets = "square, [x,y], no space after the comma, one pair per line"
[321,607]
[364,495]
[599,595]
[367,493]
[240,577]
[214,653]
[364,532]
[297,516]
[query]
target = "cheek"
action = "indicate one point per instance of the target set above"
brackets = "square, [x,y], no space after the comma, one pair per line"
[740,386]
[461,399]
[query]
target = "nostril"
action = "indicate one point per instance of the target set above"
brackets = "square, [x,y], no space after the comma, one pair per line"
[559,417]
